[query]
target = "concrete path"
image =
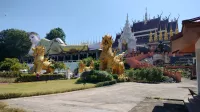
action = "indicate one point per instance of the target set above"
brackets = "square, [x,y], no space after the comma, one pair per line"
[121,97]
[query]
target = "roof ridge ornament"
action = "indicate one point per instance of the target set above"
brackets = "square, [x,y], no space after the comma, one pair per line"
[178,17]
[169,15]
[161,14]
[146,17]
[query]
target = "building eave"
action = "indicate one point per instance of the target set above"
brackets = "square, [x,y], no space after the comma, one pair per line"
[176,36]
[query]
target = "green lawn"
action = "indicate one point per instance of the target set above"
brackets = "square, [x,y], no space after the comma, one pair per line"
[14,90]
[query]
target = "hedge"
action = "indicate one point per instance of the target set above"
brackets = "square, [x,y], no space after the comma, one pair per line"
[106,83]
[149,75]
[95,76]
[43,77]
[11,74]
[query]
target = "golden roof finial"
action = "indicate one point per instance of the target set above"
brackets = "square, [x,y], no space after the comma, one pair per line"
[155,36]
[150,37]
[171,32]
[160,35]
[165,35]
[176,32]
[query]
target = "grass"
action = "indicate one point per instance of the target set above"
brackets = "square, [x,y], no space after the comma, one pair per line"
[7,80]
[14,90]
[4,108]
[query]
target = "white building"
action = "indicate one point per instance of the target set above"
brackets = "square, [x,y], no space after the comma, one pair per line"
[127,40]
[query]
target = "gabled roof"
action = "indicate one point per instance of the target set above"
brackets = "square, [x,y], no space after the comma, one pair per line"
[179,35]
[191,20]
[153,23]
[176,36]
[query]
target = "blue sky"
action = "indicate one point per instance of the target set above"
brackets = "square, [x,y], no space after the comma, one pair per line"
[84,20]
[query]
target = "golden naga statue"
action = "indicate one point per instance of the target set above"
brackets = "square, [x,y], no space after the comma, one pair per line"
[108,59]
[41,63]
[83,67]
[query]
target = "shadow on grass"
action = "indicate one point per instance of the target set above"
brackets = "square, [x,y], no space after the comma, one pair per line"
[169,107]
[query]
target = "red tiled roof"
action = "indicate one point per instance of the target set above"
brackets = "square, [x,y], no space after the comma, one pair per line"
[191,20]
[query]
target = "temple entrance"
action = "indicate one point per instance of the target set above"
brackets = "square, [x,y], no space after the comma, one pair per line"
[124,46]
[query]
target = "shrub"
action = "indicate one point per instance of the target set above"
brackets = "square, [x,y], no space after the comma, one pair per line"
[126,65]
[145,75]
[95,76]
[87,61]
[12,64]
[115,76]
[59,66]
[10,74]
[76,70]
[130,74]
[106,83]
[103,76]
[43,77]
[96,64]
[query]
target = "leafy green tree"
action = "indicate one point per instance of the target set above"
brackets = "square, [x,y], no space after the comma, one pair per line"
[18,66]
[14,43]
[8,63]
[12,64]
[56,33]
[160,48]
[60,66]
[87,61]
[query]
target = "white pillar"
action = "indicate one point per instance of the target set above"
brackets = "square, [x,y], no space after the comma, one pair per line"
[197,53]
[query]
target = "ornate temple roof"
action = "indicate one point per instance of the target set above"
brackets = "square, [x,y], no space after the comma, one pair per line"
[140,26]
[142,29]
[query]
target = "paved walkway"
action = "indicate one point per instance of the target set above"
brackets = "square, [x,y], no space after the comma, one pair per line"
[121,97]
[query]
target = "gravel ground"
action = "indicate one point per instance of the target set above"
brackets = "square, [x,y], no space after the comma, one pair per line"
[121,97]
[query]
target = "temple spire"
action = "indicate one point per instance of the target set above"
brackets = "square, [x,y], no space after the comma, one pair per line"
[127,17]
[165,35]
[146,17]
[171,32]
[155,36]
[160,35]
[150,37]
[127,27]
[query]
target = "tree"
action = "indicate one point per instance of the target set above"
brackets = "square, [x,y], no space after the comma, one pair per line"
[60,66]
[56,33]
[87,61]
[14,43]
[12,64]
[160,48]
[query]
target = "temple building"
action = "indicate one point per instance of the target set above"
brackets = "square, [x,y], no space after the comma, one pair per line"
[127,39]
[150,32]
[57,50]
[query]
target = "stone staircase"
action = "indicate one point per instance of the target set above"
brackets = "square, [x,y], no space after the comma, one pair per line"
[193,102]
